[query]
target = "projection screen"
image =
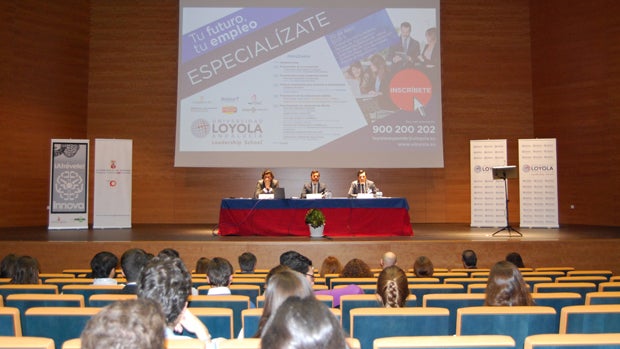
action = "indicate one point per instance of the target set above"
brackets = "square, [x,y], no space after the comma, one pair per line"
[353,84]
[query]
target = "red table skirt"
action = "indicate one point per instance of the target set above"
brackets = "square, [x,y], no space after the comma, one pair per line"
[344,217]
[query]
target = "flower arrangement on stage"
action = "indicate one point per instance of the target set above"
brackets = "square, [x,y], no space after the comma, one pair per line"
[315,218]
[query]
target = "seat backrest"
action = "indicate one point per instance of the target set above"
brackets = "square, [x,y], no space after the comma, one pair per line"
[423,289]
[533,280]
[517,322]
[88,290]
[25,301]
[74,343]
[219,321]
[603,318]
[609,286]
[476,288]
[368,324]
[246,343]
[353,301]
[453,302]
[563,269]
[103,299]
[447,274]
[184,343]
[250,319]
[577,287]
[347,281]
[553,274]
[464,281]
[235,302]
[416,280]
[62,282]
[596,279]
[557,300]
[608,297]
[606,273]
[573,341]
[8,289]
[252,291]
[58,323]
[10,322]
[26,342]
[451,342]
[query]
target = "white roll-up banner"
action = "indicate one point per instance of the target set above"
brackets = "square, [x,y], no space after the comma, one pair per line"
[488,200]
[68,207]
[538,183]
[113,168]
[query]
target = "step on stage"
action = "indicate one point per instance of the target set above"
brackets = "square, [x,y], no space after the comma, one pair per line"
[582,247]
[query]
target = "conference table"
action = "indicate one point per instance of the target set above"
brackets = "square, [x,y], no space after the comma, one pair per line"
[374,217]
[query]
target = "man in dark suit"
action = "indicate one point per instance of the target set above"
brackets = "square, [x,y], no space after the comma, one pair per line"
[132,263]
[405,53]
[314,186]
[362,185]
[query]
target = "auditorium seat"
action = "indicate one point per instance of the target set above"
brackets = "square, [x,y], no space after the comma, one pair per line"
[320,287]
[453,302]
[517,322]
[325,299]
[550,273]
[45,276]
[62,282]
[480,275]
[533,280]
[368,324]
[353,301]
[58,323]
[184,343]
[6,290]
[464,281]
[26,343]
[252,291]
[443,275]
[419,291]
[219,321]
[235,302]
[5,280]
[449,342]
[89,290]
[603,318]
[25,301]
[347,281]
[415,280]
[563,269]
[476,288]
[557,300]
[609,286]
[573,341]
[607,297]
[614,279]
[251,317]
[596,279]
[468,271]
[10,322]
[101,300]
[199,282]
[605,273]
[254,343]
[76,272]
[260,282]
[577,287]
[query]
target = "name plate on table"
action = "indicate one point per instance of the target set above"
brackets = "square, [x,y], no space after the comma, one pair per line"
[265,196]
[314,196]
[365,196]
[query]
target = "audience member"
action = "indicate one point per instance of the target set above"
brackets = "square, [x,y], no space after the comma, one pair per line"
[202,265]
[282,283]
[131,324]
[331,265]
[356,268]
[515,258]
[103,267]
[170,252]
[247,262]
[220,275]
[392,287]
[26,271]
[132,263]
[388,259]
[470,261]
[303,323]
[506,287]
[423,267]
[8,266]
[166,281]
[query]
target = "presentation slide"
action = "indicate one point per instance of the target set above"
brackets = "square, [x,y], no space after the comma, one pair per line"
[324,84]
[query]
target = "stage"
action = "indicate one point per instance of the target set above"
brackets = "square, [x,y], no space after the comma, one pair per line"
[583,247]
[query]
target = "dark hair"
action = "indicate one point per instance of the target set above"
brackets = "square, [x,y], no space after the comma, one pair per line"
[515,258]
[392,287]
[469,259]
[219,271]
[202,264]
[405,25]
[26,271]
[132,263]
[170,252]
[102,264]
[166,281]
[506,286]
[296,261]
[356,268]
[247,262]
[423,267]
[267,172]
[303,324]
[137,323]
[7,267]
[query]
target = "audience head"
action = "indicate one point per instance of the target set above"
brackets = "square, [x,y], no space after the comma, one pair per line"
[8,266]
[219,272]
[202,264]
[392,287]
[132,262]
[303,324]
[331,265]
[515,258]
[26,271]
[423,267]
[130,324]
[103,265]
[388,259]
[298,263]
[247,262]
[356,268]
[170,252]
[470,260]
[506,286]
[282,283]
[166,281]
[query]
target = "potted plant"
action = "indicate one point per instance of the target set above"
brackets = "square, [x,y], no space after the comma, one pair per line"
[316,222]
